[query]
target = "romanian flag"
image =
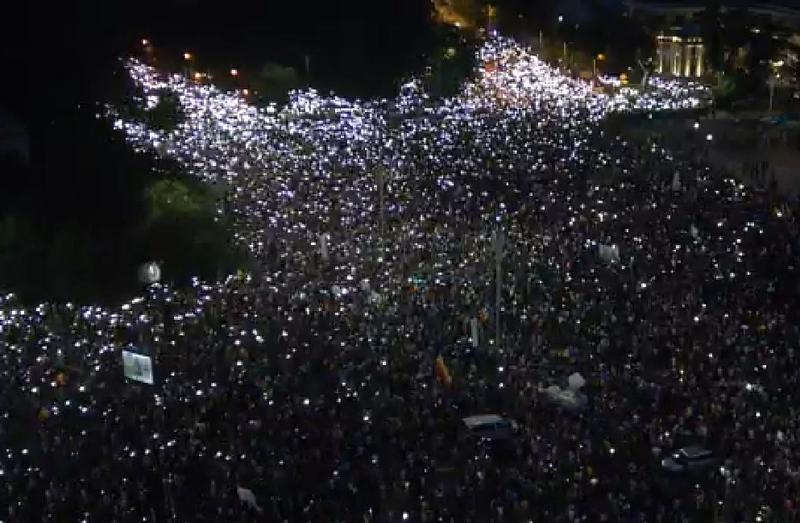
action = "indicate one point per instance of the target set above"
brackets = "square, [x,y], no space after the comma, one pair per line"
[442,372]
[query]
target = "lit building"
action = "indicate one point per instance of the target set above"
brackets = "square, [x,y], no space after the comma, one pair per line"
[679,46]
[680,55]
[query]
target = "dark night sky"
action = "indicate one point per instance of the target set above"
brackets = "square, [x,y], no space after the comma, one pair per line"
[64,54]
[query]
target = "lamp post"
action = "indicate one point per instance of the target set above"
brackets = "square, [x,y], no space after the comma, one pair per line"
[187,57]
[499,245]
[147,47]
[599,58]
[490,11]
[773,80]
[771,92]
[560,33]
[381,179]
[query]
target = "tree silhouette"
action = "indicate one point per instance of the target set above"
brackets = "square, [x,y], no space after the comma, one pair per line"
[711,28]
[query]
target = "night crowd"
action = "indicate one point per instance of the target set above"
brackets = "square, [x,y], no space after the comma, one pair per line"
[304,389]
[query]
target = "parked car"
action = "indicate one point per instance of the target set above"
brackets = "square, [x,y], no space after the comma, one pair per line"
[692,458]
[490,426]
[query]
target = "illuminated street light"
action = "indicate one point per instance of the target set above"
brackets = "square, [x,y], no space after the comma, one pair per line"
[560,18]
[245,92]
[234,72]
[145,41]
[198,75]
[696,125]
[599,58]
[491,13]
[187,56]
[709,137]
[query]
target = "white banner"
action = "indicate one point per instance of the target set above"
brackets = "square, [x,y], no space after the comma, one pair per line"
[608,253]
[137,367]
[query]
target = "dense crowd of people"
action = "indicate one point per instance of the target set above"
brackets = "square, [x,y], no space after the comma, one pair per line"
[304,389]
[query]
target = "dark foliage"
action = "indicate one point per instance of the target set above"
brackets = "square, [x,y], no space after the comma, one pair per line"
[76,225]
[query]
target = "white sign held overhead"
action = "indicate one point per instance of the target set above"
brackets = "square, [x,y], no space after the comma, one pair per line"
[676,182]
[608,253]
[137,367]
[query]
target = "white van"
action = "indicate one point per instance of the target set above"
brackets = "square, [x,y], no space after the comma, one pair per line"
[490,426]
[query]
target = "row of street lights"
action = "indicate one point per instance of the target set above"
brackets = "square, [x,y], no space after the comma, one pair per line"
[188,58]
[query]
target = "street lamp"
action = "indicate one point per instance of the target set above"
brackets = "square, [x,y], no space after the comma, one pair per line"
[187,57]
[599,58]
[145,42]
[234,72]
[709,137]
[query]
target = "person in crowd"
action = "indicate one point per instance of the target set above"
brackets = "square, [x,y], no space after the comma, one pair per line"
[306,390]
